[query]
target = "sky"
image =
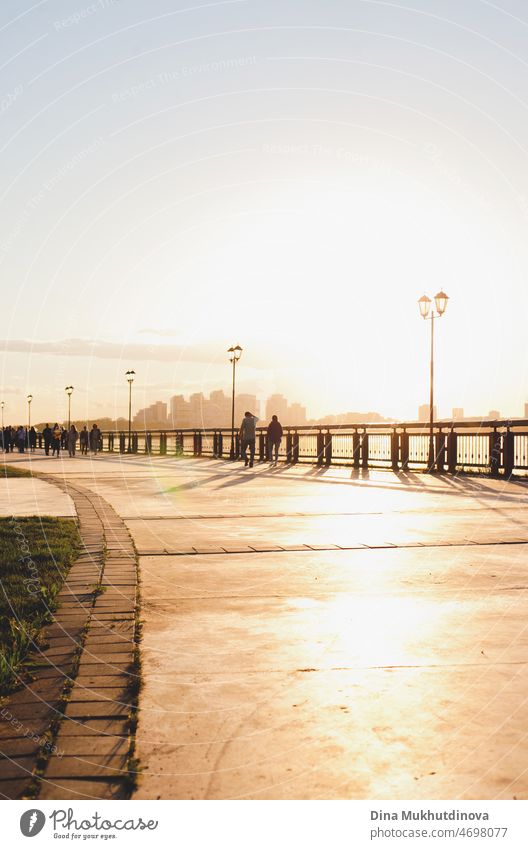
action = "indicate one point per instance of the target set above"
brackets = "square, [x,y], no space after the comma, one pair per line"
[288,175]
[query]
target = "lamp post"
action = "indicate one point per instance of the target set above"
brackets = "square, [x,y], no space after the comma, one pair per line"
[29,400]
[130,377]
[2,405]
[429,314]
[235,352]
[69,390]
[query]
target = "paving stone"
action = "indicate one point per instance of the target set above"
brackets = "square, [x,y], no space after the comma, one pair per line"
[92,745]
[61,788]
[101,709]
[72,766]
[18,746]
[12,788]
[22,767]
[96,727]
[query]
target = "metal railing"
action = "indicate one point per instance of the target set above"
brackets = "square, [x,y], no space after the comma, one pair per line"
[498,447]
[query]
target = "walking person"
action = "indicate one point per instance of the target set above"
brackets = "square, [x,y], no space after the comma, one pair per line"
[274,439]
[7,439]
[72,440]
[84,440]
[95,436]
[247,437]
[32,436]
[21,439]
[56,443]
[47,434]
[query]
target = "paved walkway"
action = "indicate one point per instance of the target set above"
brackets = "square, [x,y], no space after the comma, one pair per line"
[322,633]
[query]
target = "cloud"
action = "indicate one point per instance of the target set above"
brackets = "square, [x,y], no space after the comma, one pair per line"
[212,352]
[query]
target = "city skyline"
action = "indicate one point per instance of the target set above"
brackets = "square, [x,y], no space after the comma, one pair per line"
[294,188]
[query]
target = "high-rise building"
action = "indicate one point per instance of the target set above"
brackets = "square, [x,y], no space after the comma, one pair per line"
[196,409]
[245,402]
[277,405]
[218,409]
[296,415]
[458,414]
[526,410]
[494,414]
[423,413]
[180,412]
[154,416]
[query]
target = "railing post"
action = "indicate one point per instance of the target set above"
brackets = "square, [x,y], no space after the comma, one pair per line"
[452,451]
[395,450]
[288,447]
[356,448]
[122,448]
[220,445]
[404,450]
[295,458]
[365,451]
[237,446]
[508,454]
[328,448]
[495,453]
[440,447]
[320,448]
[148,443]
[262,446]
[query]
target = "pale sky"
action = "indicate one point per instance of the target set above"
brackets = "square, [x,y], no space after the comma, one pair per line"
[284,174]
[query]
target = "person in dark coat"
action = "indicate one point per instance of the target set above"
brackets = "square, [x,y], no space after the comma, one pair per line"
[7,439]
[56,444]
[274,439]
[84,440]
[32,436]
[95,438]
[47,433]
[21,439]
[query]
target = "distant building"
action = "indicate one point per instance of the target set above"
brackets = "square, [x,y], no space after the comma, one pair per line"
[526,410]
[154,416]
[180,412]
[218,409]
[458,414]
[423,413]
[296,415]
[277,405]
[494,414]
[243,403]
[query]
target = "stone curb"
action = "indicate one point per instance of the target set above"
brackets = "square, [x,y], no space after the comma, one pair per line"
[68,734]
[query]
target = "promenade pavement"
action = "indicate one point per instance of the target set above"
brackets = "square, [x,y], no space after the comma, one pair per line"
[313,633]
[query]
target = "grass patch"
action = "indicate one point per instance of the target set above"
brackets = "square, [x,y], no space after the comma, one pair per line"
[14,472]
[35,556]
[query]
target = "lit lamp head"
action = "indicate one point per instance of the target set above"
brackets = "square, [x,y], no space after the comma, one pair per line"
[29,399]
[441,302]
[69,390]
[425,306]
[234,353]
[130,376]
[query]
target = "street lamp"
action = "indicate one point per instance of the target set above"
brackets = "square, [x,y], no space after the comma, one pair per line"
[429,314]
[69,390]
[130,377]
[235,352]
[29,400]
[2,405]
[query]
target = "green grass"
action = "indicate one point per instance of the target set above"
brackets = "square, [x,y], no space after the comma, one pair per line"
[35,555]
[14,472]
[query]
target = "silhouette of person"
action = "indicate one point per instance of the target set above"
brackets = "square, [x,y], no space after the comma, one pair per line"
[247,437]
[274,438]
